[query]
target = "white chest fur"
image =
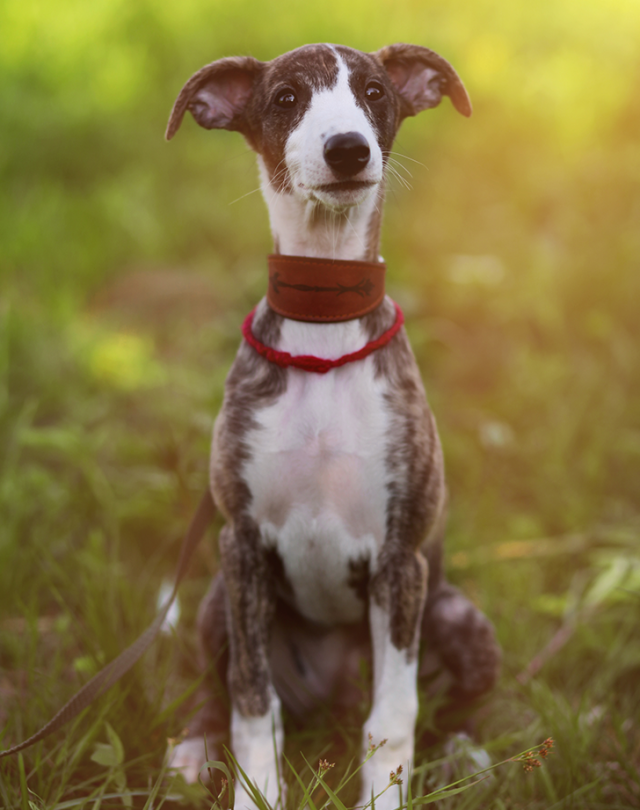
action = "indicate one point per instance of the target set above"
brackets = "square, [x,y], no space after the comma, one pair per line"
[317,471]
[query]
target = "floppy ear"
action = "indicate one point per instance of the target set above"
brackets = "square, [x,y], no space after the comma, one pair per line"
[217,95]
[421,78]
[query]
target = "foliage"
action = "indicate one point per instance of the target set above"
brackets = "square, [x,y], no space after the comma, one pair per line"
[126,267]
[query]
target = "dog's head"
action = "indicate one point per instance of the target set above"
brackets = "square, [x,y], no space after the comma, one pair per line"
[322,117]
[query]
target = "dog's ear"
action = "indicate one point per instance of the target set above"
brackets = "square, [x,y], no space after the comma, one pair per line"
[421,78]
[217,95]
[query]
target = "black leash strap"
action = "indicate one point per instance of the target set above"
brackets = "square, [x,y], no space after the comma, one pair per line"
[108,676]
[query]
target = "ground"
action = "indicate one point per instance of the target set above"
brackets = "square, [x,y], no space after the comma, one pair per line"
[125,274]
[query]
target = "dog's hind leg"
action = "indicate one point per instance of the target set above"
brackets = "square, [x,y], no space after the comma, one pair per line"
[459,648]
[456,634]
[212,718]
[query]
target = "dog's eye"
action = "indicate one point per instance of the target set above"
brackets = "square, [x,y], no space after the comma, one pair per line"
[286,99]
[374,91]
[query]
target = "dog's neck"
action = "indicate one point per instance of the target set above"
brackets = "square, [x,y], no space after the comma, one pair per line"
[301,228]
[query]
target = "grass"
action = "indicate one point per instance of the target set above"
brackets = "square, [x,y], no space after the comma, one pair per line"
[126,268]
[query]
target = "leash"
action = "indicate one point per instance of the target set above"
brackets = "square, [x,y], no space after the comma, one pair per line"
[312,290]
[108,676]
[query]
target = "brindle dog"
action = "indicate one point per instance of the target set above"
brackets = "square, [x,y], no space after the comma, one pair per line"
[332,485]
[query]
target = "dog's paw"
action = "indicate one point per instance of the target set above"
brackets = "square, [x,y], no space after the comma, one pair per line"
[264,779]
[188,757]
[465,641]
[378,779]
[464,758]
[274,797]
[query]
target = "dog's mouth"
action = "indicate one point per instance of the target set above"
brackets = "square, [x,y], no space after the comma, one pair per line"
[344,185]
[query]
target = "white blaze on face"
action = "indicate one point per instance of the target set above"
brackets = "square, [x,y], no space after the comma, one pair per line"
[332,111]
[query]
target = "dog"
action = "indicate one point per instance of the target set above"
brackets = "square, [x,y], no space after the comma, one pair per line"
[330,478]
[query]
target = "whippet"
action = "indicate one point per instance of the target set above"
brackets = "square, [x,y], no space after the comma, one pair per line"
[330,474]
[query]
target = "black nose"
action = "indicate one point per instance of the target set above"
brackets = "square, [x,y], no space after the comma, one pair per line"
[347,153]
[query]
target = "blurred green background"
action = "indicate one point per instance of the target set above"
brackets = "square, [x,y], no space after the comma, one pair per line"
[127,264]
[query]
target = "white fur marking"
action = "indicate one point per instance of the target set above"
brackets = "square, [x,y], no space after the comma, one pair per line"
[188,757]
[341,231]
[257,743]
[317,471]
[332,111]
[393,713]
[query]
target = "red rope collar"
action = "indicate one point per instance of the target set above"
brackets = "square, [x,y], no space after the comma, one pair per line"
[319,365]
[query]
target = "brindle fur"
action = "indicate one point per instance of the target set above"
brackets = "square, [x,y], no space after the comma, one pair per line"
[415,523]
[249,624]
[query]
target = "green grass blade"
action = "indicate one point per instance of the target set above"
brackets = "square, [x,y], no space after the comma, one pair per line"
[445,793]
[68,805]
[24,791]
[170,710]
[552,795]
[307,792]
[252,789]
[576,793]
[330,793]
[153,794]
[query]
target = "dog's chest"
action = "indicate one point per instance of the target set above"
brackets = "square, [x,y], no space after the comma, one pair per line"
[318,480]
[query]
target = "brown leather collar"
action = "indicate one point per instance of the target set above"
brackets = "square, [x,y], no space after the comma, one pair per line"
[324,290]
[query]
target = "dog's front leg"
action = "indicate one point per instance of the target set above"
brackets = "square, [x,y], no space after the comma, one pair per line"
[397,594]
[256,722]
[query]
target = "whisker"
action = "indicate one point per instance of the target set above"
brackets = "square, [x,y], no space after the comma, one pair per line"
[277,176]
[393,172]
[413,160]
[248,194]
[399,165]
